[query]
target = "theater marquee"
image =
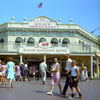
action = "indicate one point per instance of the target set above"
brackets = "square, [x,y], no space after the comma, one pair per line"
[31,50]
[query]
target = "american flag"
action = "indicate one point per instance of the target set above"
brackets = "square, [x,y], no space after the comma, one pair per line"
[39,5]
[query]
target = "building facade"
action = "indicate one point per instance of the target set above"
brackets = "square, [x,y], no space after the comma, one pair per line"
[44,38]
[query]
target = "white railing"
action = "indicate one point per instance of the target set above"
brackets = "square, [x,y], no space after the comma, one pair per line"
[9,47]
[74,47]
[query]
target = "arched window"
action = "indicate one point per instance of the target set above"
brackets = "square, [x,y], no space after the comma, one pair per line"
[2,41]
[31,40]
[42,40]
[18,40]
[65,41]
[54,41]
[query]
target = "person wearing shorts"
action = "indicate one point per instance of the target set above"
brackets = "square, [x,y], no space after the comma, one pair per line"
[55,76]
[75,79]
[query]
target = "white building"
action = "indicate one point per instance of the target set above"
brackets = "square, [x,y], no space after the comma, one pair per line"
[44,38]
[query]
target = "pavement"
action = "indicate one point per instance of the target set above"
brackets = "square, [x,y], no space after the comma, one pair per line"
[35,90]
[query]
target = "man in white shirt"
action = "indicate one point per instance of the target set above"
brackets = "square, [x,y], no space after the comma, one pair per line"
[43,68]
[68,74]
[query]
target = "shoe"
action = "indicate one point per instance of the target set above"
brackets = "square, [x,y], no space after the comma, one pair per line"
[75,94]
[43,82]
[62,94]
[9,87]
[80,97]
[49,93]
[70,98]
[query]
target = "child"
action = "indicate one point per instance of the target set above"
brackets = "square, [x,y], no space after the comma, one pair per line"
[75,78]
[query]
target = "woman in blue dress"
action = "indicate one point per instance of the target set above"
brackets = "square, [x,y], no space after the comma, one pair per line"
[11,71]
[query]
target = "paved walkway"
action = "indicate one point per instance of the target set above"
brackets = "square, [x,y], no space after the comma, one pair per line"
[34,90]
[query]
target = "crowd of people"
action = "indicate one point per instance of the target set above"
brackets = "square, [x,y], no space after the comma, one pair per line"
[13,71]
[21,72]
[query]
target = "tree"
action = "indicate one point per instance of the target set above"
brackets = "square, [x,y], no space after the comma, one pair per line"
[98,37]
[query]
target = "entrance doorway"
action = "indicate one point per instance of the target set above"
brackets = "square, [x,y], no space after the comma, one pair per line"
[34,70]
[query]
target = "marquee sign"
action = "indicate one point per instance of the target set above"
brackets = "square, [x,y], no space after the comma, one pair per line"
[32,50]
[42,22]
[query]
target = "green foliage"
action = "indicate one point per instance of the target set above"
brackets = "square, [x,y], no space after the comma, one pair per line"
[98,37]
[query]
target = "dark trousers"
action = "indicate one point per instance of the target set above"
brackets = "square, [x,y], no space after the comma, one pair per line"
[23,77]
[38,75]
[27,75]
[68,82]
[18,78]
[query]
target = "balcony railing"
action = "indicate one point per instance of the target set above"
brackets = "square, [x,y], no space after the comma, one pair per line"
[74,47]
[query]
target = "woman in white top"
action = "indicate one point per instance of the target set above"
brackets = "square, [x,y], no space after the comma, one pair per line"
[55,76]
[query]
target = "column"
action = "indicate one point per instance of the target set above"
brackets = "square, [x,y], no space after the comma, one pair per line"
[91,65]
[90,47]
[45,58]
[97,66]
[21,58]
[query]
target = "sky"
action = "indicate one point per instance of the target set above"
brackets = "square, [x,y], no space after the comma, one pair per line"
[85,13]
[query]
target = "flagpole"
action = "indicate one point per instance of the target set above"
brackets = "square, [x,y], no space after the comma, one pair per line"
[42,9]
